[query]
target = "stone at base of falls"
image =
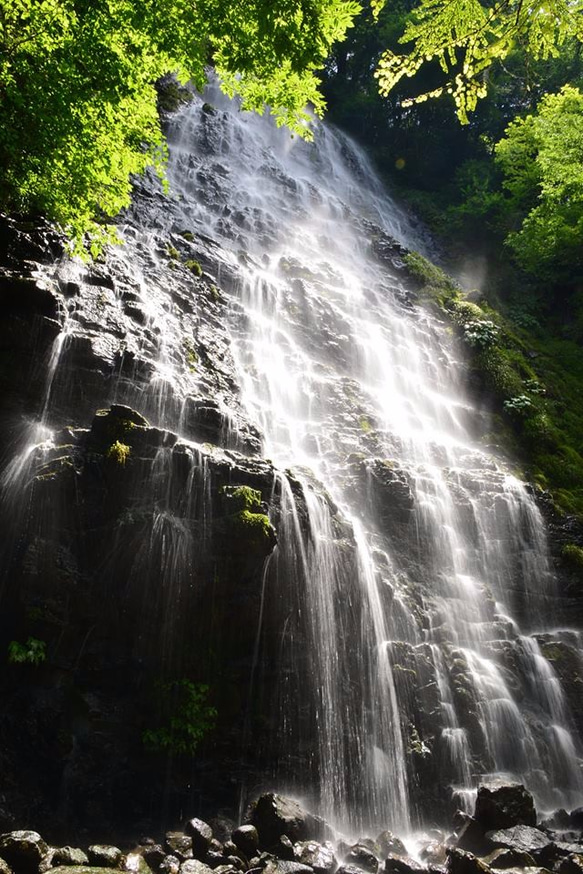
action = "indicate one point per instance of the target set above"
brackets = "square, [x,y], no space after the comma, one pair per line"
[402,865]
[194,866]
[505,858]
[275,815]
[363,858]
[572,864]
[471,837]
[69,856]
[390,844]
[320,857]
[201,835]
[104,856]
[179,844]
[520,837]
[23,850]
[246,837]
[282,866]
[463,862]
[503,805]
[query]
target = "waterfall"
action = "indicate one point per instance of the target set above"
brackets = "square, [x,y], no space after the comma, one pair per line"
[411,578]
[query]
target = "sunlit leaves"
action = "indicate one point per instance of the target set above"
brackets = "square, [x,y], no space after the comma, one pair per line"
[76,87]
[466,36]
[541,157]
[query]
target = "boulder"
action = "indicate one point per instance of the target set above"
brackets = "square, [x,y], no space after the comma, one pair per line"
[501,805]
[5,867]
[402,865]
[471,837]
[179,844]
[275,815]
[463,862]
[390,844]
[200,834]
[433,853]
[106,856]
[572,864]
[154,854]
[320,857]
[69,856]
[194,866]
[169,865]
[282,866]
[505,858]
[363,858]
[246,838]
[22,850]
[520,837]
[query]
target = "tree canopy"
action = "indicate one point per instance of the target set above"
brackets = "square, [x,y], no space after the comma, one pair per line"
[77,97]
[541,157]
[467,36]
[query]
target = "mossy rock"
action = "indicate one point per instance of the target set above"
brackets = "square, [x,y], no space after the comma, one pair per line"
[241,498]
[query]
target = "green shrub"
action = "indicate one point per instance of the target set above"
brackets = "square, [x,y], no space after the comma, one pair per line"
[185,718]
[573,555]
[119,452]
[33,652]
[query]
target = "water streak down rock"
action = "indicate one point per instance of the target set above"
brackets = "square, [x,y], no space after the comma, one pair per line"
[390,648]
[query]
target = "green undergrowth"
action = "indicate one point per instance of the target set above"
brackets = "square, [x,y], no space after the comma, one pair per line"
[531,379]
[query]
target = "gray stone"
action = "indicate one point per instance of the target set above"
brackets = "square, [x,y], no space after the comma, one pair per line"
[201,835]
[179,845]
[521,837]
[194,866]
[502,805]
[463,862]
[506,858]
[170,865]
[154,854]
[69,856]
[275,815]
[363,858]
[282,866]
[572,864]
[246,838]
[390,845]
[104,855]
[318,856]
[401,865]
[23,849]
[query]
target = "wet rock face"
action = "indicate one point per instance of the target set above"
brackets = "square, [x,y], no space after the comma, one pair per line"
[503,805]
[275,816]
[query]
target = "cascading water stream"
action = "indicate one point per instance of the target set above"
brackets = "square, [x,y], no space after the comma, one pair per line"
[411,572]
[335,362]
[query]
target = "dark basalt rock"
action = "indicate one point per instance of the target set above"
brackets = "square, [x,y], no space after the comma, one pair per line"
[23,850]
[462,862]
[201,835]
[506,858]
[246,838]
[318,856]
[572,864]
[179,845]
[194,866]
[154,855]
[363,858]
[503,805]
[282,866]
[523,838]
[390,844]
[471,837]
[69,856]
[402,865]
[274,815]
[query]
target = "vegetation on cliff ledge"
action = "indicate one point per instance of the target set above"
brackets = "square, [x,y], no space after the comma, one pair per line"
[532,380]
